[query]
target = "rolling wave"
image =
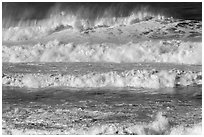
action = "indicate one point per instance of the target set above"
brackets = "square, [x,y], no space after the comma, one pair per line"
[168,51]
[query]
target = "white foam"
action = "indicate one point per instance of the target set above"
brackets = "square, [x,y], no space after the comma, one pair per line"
[172,51]
[133,78]
[182,130]
[24,33]
[161,126]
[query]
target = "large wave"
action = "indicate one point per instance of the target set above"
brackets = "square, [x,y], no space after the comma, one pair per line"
[26,25]
[93,13]
[21,14]
[34,29]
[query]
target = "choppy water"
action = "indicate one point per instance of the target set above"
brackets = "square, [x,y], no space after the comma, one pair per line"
[177,110]
[180,108]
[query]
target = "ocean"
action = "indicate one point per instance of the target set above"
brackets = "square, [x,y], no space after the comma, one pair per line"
[102,68]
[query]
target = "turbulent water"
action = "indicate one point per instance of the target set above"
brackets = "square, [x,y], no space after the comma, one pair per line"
[102,111]
[116,32]
[19,13]
[43,18]
[172,51]
[102,68]
[133,78]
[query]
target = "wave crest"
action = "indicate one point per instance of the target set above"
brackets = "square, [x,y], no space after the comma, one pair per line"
[94,13]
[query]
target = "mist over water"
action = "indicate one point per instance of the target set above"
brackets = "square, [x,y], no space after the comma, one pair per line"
[13,13]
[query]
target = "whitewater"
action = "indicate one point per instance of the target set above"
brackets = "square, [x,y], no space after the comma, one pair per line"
[152,39]
[171,51]
[152,78]
[98,69]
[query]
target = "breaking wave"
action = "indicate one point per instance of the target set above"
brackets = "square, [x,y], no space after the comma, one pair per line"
[84,23]
[133,78]
[169,51]
[69,13]
[32,21]
[27,14]
[37,29]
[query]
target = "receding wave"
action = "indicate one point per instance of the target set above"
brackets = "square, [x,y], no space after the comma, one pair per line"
[169,51]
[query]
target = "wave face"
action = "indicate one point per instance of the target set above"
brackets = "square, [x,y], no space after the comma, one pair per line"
[169,51]
[29,14]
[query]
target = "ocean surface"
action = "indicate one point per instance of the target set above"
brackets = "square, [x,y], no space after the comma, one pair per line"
[80,107]
[102,68]
[168,110]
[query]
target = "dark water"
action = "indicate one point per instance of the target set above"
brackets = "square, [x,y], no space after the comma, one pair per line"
[126,105]
[121,105]
[16,11]
[108,95]
[65,108]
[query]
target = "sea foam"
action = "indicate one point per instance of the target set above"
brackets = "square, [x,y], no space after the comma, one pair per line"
[132,78]
[168,51]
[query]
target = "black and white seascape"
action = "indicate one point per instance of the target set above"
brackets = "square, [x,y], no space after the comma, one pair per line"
[94,68]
